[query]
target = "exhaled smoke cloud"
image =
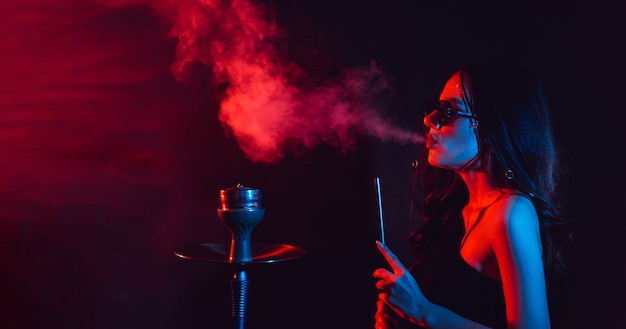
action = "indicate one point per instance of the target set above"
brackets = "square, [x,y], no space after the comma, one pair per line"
[263,106]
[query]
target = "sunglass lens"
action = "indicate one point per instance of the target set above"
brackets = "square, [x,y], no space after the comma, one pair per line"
[443,113]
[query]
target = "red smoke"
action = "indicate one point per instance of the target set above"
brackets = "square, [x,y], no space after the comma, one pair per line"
[263,106]
[82,92]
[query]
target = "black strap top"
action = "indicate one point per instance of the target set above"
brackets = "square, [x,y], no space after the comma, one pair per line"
[467,292]
[447,280]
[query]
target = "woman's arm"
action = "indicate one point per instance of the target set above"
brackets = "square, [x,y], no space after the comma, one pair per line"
[516,243]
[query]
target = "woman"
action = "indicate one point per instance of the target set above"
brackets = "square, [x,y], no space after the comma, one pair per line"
[491,233]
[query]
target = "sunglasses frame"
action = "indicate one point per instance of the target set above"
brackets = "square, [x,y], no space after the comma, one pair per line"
[445,113]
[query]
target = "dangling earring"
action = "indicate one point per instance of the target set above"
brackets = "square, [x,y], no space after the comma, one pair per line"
[474,123]
[509,174]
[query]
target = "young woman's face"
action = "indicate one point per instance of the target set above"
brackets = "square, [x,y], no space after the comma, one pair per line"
[453,144]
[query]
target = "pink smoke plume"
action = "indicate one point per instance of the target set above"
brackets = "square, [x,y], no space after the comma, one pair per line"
[263,106]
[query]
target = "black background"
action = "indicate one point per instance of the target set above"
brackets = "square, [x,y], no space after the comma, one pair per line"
[97,252]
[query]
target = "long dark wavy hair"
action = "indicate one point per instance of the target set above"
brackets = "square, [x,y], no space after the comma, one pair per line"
[514,133]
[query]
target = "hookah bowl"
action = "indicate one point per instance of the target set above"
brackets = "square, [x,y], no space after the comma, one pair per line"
[241,211]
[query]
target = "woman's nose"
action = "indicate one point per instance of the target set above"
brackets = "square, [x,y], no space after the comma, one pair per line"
[430,120]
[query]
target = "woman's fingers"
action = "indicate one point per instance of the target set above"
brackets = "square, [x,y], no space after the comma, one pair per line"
[391,258]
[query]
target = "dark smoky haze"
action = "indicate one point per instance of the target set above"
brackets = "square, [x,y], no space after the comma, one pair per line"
[91,160]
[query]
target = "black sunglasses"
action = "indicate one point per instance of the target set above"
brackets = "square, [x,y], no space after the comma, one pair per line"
[445,113]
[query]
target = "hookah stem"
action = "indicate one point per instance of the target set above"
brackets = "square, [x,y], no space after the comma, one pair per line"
[380,210]
[239,285]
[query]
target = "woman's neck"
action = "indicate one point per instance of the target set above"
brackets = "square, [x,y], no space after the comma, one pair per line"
[481,192]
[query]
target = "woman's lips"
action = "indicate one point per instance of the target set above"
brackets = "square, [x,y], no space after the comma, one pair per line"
[430,142]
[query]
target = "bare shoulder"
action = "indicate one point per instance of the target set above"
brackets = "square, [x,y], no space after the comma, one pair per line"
[517,218]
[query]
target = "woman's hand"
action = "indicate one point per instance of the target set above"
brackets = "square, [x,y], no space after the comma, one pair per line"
[398,291]
[385,317]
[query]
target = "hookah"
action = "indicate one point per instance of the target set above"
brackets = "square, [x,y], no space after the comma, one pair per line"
[241,210]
